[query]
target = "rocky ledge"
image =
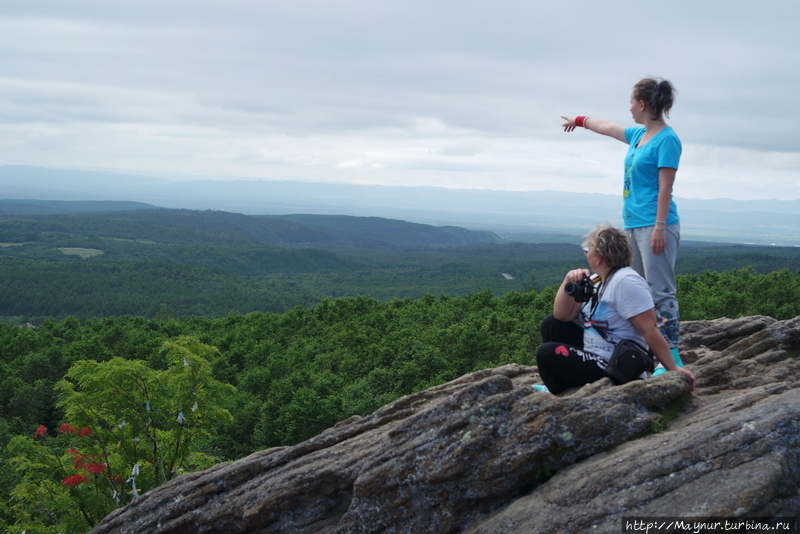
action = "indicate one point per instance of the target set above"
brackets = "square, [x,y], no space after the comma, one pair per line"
[486,453]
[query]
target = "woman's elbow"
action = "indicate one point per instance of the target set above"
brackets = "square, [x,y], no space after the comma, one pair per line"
[564,317]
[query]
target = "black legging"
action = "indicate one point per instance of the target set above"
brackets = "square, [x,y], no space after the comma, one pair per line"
[561,360]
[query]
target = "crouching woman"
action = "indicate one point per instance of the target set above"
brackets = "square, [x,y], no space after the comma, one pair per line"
[621,307]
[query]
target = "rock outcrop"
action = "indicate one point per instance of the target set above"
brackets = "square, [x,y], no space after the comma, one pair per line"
[489,454]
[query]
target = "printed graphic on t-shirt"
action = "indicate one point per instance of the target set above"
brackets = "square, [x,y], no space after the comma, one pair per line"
[599,325]
[626,184]
[597,333]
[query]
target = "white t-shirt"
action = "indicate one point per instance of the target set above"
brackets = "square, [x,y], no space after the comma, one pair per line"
[626,294]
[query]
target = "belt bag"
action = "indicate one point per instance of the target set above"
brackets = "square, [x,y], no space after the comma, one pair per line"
[628,361]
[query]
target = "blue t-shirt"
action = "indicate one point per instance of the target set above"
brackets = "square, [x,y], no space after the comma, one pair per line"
[640,188]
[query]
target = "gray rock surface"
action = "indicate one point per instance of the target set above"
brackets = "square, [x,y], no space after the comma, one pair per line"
[487,453]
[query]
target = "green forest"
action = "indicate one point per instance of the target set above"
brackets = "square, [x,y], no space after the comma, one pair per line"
[129,359]
[157,262]
[72,391]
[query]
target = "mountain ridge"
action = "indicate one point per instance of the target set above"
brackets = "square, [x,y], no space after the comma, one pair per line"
[722,220]
[24,206]
[192,226]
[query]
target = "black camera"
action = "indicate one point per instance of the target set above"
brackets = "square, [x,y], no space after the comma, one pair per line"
[582,291]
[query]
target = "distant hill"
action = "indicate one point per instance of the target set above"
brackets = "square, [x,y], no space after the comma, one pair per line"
[378,230]
[219,227]
[51,207]
[504,212]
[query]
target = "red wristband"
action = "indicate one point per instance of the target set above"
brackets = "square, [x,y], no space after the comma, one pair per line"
[579,121]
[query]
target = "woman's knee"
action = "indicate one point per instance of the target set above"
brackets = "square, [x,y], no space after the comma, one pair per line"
[546,354]
[554,330]
[546,328]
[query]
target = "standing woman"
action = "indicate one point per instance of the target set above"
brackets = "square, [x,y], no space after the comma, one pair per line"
[649,214]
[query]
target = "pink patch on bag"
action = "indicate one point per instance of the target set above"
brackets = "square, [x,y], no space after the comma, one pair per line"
[561,350]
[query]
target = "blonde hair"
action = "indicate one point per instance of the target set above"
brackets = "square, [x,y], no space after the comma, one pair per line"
[611,244]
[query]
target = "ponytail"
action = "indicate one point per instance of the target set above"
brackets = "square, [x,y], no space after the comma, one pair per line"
[657,94]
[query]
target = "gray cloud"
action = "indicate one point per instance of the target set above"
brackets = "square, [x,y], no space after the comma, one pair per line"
[395,92]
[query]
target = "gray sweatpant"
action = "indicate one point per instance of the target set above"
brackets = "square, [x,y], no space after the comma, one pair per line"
[659,271]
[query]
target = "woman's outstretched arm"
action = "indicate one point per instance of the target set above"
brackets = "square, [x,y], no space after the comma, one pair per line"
[600,126]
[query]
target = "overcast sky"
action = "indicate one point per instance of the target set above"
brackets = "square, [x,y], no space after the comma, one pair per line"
[445,93]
